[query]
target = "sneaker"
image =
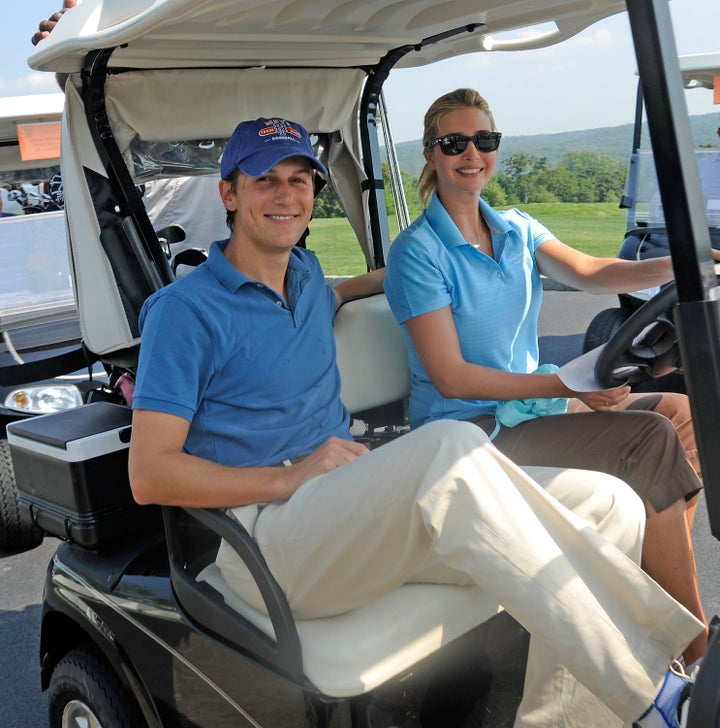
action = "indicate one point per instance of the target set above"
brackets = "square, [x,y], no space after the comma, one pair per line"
[672,703]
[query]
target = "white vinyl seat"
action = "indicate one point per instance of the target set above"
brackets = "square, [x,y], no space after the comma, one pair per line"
[352,653]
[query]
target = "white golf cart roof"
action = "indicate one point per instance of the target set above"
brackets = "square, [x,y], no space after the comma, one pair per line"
[700,69]
[28,111]
[297,33]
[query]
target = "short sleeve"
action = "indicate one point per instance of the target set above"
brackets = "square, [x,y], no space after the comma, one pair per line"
[414,282]
[176,357]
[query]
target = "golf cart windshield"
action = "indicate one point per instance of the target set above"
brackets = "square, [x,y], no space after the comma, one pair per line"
[648,209]
[642,197]
[35,280]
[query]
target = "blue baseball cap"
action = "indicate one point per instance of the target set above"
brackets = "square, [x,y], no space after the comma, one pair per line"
[257,146]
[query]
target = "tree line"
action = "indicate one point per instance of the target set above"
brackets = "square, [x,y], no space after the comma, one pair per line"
[579,176]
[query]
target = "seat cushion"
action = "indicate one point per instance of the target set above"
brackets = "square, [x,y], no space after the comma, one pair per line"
[352,653]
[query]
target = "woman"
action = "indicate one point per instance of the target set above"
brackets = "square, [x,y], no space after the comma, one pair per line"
[464,282]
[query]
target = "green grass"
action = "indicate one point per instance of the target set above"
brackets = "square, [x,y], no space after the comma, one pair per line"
[595,228]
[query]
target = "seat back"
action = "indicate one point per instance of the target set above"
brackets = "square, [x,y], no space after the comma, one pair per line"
[371,354]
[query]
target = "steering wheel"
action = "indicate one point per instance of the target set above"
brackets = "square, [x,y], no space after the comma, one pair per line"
[644,347]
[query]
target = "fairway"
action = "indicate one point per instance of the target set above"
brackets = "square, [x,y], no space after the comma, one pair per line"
[595,228]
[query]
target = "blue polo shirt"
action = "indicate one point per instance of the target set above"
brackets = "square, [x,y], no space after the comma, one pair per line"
[255,377]
[495,301]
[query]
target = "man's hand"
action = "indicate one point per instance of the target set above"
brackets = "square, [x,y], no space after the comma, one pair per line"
[45,27]
[333,453]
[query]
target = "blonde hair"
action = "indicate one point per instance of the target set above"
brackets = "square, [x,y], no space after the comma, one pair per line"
[461,98]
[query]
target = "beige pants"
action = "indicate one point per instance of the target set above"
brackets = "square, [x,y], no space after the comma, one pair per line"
[442,504]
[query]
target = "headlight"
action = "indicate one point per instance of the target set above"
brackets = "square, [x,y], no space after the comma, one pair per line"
[44,399]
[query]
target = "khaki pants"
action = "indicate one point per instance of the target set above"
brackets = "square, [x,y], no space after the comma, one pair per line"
[442,504]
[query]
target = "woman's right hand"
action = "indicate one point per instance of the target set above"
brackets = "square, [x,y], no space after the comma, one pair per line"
[45,27]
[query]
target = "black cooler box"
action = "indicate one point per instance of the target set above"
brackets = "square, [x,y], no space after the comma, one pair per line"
[71,471]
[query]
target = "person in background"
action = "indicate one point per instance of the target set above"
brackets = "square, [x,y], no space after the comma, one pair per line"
[464,282]
[45,27]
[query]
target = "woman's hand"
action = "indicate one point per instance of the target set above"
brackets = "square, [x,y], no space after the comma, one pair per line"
[604,400]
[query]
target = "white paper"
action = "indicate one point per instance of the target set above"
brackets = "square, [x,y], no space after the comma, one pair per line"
[579,374]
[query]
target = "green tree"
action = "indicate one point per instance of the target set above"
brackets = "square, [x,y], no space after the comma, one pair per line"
[327,205]
[409,184]
[494,194]
[567,186]
[522,176]
[604,174]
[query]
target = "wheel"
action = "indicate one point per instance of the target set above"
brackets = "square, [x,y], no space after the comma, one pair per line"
[85,692]
[15,531]
[603,326]
[644,347]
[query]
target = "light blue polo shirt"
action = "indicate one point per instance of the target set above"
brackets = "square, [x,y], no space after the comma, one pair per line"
[256,378]
[495,302]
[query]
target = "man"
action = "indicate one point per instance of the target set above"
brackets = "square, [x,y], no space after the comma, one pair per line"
[237,406]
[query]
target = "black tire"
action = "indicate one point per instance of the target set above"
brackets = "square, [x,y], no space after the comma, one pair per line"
[85,691]
[15,531]
[603,326]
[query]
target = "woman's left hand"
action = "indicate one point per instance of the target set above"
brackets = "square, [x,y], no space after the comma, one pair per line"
[604,400]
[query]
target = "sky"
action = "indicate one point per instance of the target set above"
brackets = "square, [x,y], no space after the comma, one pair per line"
[584,83]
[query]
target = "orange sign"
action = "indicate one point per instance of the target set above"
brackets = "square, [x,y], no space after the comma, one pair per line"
[39,141]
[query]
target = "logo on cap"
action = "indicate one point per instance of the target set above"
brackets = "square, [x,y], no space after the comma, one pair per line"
[281,128]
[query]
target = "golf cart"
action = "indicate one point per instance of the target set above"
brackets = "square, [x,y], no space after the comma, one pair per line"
[646,236]
[138,627]
[40,352]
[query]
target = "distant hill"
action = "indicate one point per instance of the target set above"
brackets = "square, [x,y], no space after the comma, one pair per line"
[613,140]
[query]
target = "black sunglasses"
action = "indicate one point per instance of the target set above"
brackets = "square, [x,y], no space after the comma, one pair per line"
[453,144]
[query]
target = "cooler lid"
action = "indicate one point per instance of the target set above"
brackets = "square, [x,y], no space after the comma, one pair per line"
[62,428]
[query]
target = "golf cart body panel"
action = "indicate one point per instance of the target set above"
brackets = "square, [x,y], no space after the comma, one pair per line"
[180,647]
